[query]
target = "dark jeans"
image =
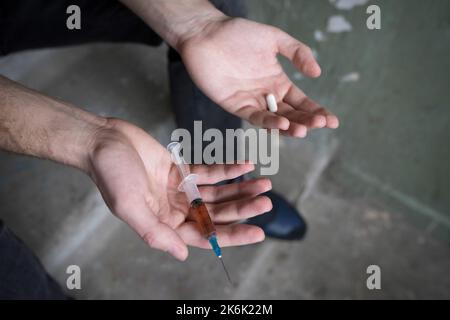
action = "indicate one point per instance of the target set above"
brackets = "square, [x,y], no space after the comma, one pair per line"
[42,23]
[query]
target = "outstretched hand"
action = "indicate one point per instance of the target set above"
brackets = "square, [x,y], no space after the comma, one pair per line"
[138,182]
[234,62]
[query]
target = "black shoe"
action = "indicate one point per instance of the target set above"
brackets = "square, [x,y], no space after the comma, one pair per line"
[282,222]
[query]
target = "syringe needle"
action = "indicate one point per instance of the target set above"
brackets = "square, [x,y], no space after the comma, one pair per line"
[226,271]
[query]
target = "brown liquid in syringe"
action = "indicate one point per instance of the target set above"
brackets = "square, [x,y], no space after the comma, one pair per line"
[200,213]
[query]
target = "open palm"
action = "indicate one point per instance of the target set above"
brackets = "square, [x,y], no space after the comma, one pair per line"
[234,62]
[139,183]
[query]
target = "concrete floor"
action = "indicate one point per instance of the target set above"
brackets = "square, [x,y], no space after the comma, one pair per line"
[352,224]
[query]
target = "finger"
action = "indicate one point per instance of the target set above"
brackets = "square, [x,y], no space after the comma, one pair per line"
[299,101]
[308,119]
[300,54]
[234,191]
[263,118]
[214,173]
[229,235]
[327,119]
[134,210]
[295,130]
[239,209]
[160,236]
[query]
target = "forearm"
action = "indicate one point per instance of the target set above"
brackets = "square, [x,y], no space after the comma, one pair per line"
[37,125]
[175,20]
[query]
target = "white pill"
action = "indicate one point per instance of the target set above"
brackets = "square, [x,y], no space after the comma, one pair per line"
[271,103]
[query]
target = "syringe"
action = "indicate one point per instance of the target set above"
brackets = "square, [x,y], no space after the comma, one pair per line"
[188,185]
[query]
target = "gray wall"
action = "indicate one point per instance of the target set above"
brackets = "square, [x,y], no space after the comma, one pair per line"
[395,120]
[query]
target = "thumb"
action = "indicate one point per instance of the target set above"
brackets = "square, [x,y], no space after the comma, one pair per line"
[160,236]
[299,54]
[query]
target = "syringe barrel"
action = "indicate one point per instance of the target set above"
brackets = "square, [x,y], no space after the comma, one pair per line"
[189,187]
[200,213]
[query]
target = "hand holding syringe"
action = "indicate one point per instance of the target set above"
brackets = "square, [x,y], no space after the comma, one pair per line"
[198,208]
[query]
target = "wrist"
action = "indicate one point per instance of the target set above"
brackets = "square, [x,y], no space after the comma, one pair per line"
[75,145]
[195,26]
[101,137]
[175,21]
